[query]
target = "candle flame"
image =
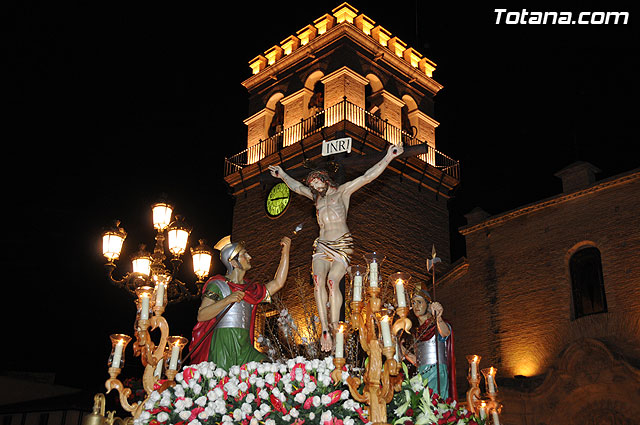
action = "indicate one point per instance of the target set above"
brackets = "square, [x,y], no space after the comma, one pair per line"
[400,281]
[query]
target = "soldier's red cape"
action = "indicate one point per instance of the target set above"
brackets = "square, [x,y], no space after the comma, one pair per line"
[253,294]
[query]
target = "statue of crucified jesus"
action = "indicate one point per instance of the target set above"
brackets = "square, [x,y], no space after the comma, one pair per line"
[334,245]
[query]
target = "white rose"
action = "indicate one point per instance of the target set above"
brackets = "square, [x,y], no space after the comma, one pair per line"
[234,370]
[270,422]
[299,398]
[238,415]
[326,416]
[250,397]
[259,382]
[316,401]
[201,401]
[325,399]
[178,391]
[179,405]
[294,412]
[188,402]
[184,415]
[155,396]
[312,416]
[195,422]
[270,379]
[220,406]
[197,389]
[348,421]
[286,417]
[263,394]
[227,418]
[163,417]
[145,415]
[345,395]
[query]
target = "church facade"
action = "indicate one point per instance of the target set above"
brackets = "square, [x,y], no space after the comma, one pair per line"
[549,293]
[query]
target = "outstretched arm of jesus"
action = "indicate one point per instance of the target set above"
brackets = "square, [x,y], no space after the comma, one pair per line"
[374,172]
[294,185]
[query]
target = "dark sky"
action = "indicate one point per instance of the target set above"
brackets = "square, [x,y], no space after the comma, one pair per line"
[112,104]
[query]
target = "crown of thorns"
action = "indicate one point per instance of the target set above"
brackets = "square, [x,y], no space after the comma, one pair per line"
[322,175]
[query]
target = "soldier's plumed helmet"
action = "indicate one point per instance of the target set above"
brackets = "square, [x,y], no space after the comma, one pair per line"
[230,252]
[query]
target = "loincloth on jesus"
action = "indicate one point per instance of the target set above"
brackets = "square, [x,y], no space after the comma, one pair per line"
[338,250]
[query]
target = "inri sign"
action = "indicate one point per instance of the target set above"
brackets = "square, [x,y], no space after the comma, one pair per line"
[332,147]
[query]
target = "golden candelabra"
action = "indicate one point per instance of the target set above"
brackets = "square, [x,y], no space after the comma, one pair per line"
[157,359]
[489,405]
[376,336]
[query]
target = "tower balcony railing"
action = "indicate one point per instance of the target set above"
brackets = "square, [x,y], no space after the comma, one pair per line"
[344,110]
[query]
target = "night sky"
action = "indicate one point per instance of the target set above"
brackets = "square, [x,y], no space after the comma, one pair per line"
[111,104]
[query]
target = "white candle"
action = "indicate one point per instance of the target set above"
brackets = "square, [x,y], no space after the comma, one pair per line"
[386,332]
[340,343]
[175,352]
[402,301]
[496,419]
[158,372]
[474,368]
[483,411]
[117,354]
[160,294]
[144,307]
[357,288]
[373,275]
[491,386]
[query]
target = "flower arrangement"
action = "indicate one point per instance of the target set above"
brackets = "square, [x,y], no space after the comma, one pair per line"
[417,404]
[296,392]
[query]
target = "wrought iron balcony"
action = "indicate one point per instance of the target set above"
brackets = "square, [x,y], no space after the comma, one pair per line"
[344,110]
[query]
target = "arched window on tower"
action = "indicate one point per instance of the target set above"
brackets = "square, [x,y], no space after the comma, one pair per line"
[316,106]
[587,283]
[276,127]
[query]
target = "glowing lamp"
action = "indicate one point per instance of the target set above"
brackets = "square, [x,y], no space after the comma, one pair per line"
[385,327]
[202,256]
[340,340]
[176,343]
[474,361]
[374,259]
[178,234]
[162,281]
[141,262]
[112,240]
[161,215]
[357,274]
[490,379]
[118,344]
[399,281]
[144,294]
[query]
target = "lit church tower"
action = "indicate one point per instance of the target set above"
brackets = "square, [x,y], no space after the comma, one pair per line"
[342,77]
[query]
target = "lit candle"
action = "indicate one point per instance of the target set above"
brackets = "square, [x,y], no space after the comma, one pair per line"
[474,367]
[175,353]
[494,415]
[160,294]
[386,332]
[357,288]
[340,343]
[490,384]
[483,410]
[373,275]
[402,301]
[144,307]
[117,354]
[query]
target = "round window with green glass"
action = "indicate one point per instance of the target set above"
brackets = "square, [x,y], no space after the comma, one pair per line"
[278,199]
